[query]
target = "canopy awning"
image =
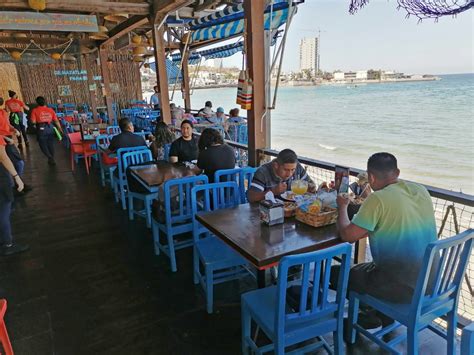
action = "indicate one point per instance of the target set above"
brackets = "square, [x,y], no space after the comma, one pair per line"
[218,52]
[230,21]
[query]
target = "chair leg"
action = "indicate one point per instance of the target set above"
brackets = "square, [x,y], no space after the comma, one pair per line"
[209,289]
[72,161]
[148,212]
[156,237]
[338,341]
[122,197]
[353,314]
[171,250]
[451,332]
[116,191]
[5,340]
[412,341]
[86,161]
[130,207]
[195,265]
[246,328]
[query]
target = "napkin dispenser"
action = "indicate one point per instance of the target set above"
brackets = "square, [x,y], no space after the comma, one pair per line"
[272,212]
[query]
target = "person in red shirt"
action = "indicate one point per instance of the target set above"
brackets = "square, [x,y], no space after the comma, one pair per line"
[44,118]
[16,108]
[7,172]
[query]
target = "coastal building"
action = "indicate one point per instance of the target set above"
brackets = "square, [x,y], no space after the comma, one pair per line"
[309,54]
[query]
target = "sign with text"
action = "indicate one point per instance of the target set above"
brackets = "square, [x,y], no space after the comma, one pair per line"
[39,21]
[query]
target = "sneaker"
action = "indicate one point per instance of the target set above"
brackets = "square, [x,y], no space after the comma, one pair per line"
[13,249]
[51,161]
[27,143]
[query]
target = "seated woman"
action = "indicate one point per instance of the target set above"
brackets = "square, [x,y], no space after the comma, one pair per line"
[162,136]
[206,111]
[214,154]
[177,114]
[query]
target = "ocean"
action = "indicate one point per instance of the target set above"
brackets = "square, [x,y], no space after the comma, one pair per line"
[428,125]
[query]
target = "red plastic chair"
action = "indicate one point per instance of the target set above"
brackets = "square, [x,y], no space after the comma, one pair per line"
[80,149]
[4,339]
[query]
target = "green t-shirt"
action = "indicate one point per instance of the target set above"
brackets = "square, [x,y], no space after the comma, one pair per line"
[400,220]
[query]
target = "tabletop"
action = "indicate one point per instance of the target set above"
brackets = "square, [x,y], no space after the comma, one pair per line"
[149,175]
[240,227]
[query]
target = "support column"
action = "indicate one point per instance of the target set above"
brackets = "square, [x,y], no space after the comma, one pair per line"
[185,82]
[254,12]
[161,74]
[103,55]
[90,81]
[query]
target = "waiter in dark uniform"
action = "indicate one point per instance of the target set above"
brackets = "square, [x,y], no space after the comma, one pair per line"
[44,118]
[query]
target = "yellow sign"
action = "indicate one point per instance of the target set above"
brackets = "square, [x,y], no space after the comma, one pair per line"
[40,21]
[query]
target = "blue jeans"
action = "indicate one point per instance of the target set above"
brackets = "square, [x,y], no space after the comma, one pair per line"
[5,225]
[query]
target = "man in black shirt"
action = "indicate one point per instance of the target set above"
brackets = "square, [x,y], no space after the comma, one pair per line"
[127,138]
[185,148]
[214,154]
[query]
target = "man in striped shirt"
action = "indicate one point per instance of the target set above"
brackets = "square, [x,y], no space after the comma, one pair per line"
[277,176]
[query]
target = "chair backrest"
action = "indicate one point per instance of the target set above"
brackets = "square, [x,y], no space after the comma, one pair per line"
[120,153]
[314,302]
[242,176]
[136,157]
[242,134]
[102,140]
[467,340]
[441,273]
[166,151]
[75,138]
[177,198]
[113,130]
[211,197]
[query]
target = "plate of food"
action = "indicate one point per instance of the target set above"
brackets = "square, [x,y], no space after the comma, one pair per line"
[288,196]
[289,209]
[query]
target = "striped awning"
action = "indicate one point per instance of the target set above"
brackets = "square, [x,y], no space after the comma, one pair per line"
[218,52]
[230,21]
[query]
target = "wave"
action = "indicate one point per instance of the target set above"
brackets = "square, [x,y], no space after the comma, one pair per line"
[328,147]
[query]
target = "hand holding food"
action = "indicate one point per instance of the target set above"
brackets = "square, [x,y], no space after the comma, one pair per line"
[280,188]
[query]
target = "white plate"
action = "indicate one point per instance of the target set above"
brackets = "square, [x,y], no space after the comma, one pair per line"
[288,196]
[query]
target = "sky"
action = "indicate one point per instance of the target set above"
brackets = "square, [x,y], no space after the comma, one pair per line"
[380,37]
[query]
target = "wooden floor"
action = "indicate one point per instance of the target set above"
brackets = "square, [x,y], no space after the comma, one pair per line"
[91,284]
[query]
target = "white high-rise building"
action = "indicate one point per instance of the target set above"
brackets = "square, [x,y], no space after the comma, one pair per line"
[309,54]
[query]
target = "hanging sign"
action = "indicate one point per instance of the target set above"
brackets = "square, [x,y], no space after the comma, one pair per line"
[40,21]
[64,90]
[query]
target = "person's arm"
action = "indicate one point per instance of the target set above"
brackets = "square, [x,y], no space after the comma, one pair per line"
[56,122]
[173,154]
[25,107]
[7,163]
[33,117]
[349,232]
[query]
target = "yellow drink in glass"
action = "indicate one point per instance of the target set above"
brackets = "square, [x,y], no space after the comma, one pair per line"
[299,187]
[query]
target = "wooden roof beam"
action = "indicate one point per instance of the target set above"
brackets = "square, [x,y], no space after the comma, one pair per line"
[106,7]
[163,7]
[125,27]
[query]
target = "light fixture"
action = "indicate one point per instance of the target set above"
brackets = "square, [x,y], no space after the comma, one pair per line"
[136,39]
[38,5]
[101,34]
[138,59]
[56,56]
[16,55]
[116,17]
[139,51]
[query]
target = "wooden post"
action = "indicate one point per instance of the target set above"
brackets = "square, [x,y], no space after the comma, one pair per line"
[103,55]
[161,74]
[90,81]
[185,82]
[254,12]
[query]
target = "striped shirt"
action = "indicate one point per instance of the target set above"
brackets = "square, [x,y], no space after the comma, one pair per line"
[265,178]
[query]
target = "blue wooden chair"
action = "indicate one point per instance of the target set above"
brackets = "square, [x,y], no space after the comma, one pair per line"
[106,170]
[467,340]
[120,181]
[178,218]
[312,314]
[444,265]
[113,130]
[133,158]
[242,176]
[220,262]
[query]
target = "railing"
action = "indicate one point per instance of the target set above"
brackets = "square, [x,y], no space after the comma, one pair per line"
[454,213]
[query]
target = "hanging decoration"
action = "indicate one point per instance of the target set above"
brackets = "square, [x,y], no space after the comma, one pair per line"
[16,55]
[117,18]
[56,56]
[136,39]
[423,9]
[138,51]
[101,35]
[245,90]
[38,5]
